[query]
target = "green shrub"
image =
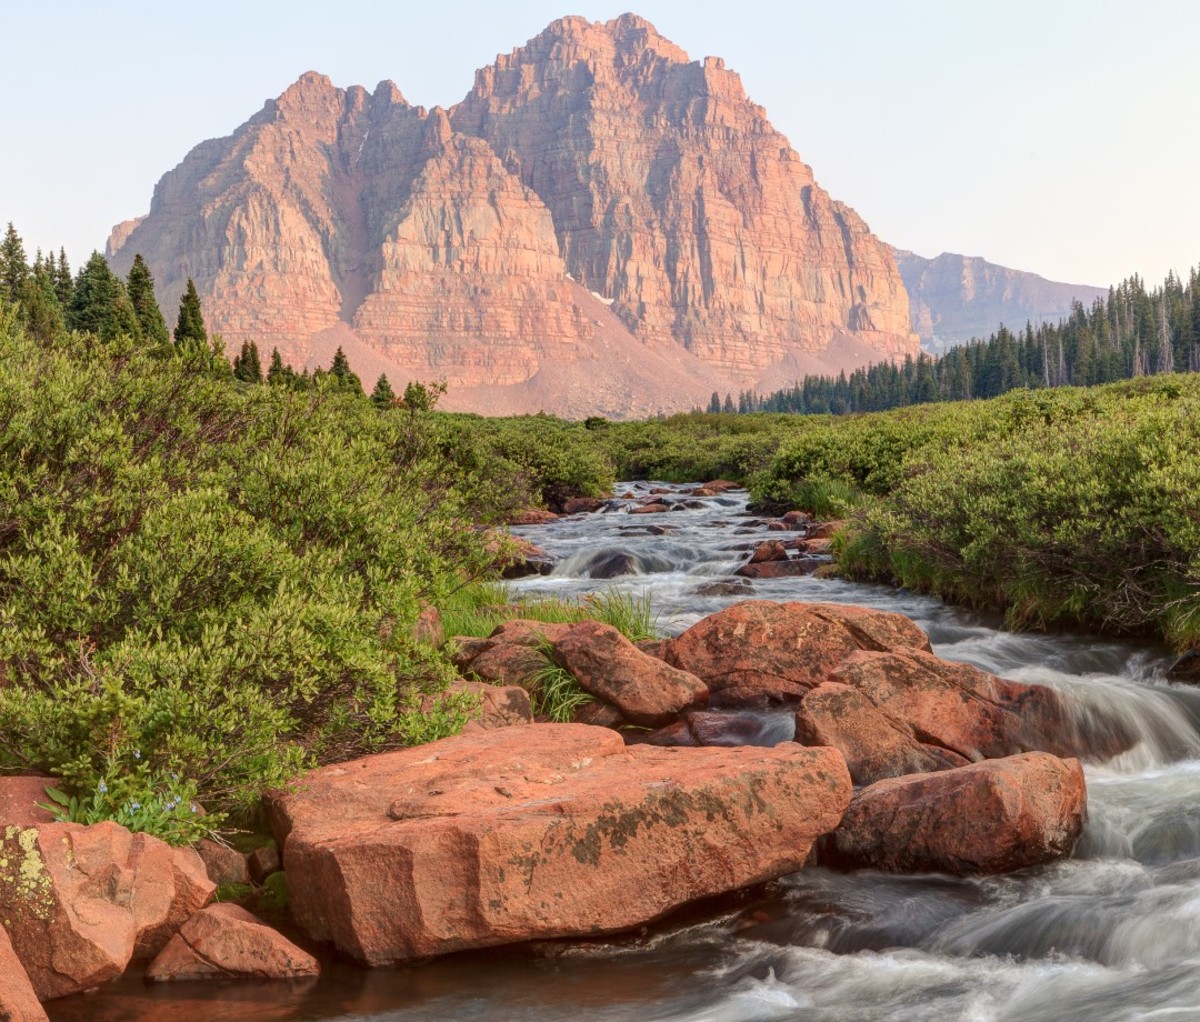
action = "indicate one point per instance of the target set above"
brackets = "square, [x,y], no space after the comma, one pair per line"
[220,577]
[478,610]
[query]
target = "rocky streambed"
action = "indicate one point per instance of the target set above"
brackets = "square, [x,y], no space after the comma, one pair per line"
[963,876]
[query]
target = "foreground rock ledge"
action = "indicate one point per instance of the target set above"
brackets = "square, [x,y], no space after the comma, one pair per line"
[540,832]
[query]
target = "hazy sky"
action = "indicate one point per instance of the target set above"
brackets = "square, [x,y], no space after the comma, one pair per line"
[1049,136]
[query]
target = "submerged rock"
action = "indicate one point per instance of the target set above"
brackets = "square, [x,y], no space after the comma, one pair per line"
[540,832]
[726,587]
[780,568]
[990,817]
[227,942]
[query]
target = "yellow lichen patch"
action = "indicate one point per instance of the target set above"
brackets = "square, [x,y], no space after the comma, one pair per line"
[24,871]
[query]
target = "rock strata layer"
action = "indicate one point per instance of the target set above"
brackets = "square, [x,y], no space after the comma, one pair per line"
[547,831]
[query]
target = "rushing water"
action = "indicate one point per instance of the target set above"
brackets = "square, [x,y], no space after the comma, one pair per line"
[1112,935]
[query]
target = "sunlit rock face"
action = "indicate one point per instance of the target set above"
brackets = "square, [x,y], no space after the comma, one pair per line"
[601,226]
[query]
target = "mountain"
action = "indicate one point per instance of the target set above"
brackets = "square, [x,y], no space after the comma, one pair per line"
[954,297]
[601,226]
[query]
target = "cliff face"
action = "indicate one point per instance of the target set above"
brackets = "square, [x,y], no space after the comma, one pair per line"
[673,196]
[954,297]
[600,226]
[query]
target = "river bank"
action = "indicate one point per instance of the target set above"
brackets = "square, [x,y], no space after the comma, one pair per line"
[1110,934]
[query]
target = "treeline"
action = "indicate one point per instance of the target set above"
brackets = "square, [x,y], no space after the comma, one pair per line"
[49,300]
[1130,333]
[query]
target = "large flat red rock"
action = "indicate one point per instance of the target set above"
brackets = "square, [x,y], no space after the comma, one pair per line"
[541,832]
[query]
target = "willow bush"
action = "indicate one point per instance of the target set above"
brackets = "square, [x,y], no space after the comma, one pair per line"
[217,581]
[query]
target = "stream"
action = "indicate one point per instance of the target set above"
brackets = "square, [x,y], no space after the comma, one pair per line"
[1110,935]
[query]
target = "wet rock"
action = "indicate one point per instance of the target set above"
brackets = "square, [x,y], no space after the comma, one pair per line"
[224,865]
[816,546]
[701,491]
[771,550]
[613,565]
[677,735]
[795,518]
[825,530]
[581,505]
[227,942]
[726,587]
[1186,669]
[990,817]
[18,1002]
[953,706]
[646,690]
[734,730]
[489,839]
[778,527]
[80,903]
[657,490]
[534,561]
[649,509]
[21,799]
[533,516]
[722,485]
[761,650]
[797,566]
[874,748]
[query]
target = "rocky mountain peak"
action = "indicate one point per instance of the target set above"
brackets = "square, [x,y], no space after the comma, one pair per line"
[601,225]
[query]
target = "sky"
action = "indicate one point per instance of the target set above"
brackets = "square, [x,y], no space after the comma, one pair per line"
[1050,136]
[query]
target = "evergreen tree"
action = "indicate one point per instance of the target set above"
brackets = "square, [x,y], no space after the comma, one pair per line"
[191,337]
[383,396]
[140,285]
[247,366]
[14,270]
[279,374]
[728,405]
[64,283]
[40,310]
[345,377]
[714,403]
[99,303]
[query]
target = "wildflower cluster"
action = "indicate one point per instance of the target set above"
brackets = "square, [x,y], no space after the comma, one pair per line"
[141,800]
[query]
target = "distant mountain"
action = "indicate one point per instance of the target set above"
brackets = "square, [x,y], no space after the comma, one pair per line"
[601,226]
[953,298]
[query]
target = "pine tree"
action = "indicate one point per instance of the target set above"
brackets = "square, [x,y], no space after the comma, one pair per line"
[40,309]
[383,396]
[14,270]
[64,283]
[340,370]
[281,375]
[140,285]
[728,405]
[714,403]
[100,305]
[191,337]
[247,366]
